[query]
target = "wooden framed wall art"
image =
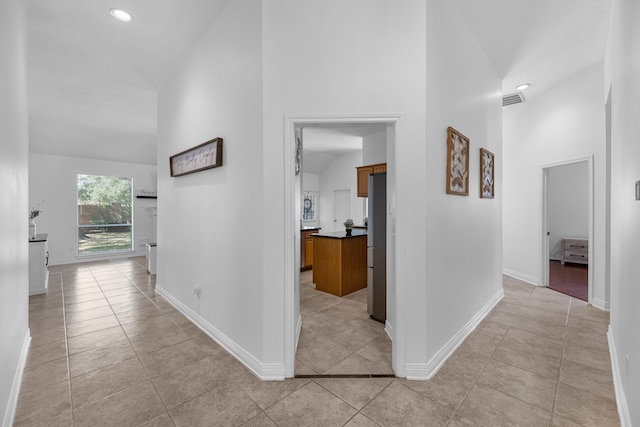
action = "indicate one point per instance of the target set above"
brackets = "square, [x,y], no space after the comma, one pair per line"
[457,163]
[207,155]
[486,174]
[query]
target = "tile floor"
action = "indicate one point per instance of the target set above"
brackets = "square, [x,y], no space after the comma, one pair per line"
[107,351]
[338,336]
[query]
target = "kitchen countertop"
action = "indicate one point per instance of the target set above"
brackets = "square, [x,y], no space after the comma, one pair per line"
[309,228]
[341,234]
[39,238]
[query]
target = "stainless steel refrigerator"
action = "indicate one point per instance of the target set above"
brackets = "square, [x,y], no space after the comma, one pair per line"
[377,247]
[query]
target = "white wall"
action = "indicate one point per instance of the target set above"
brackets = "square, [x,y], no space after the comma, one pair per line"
[374,148]
[209,222]
[340,58]
[624,68]
[463,257]
[568,207]
[340,174]
[563,124]
[54,180]
[14,211]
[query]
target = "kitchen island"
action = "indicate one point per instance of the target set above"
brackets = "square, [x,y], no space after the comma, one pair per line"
[340,262]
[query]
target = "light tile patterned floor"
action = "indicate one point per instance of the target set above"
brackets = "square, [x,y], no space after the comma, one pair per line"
[107,351]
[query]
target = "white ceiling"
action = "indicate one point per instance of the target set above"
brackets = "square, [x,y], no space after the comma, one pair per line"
[92,81]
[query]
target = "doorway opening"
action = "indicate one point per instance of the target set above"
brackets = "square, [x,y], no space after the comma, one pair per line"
[568,227]
[329,334]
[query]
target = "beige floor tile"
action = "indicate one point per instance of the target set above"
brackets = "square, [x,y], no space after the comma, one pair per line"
[481,342]
[356,364]
[596,341]
[172,357]
[311,405]
[398,405]
[524,385]
[44,374]
[226,404]
[357,392]
[146,326]
[562,422]
[587,325]
[229,365]
[157,339]
[587,378]
[487,407]
[378,350]
[98,384]
[92,325]
[101,357]
[129,407]
[208,345]
[266,393]
[46,353]
[43,405]
[543,343]
[96,339]
[585,408]
[178,386]
[587,356]
[85,297]
[41,334]
[529,358]
[81,316]
[360,421]
[137,304]
[138,315]
[302,369]
[163,420]
[88,305]
[320,353]
[261,420]
[540,325]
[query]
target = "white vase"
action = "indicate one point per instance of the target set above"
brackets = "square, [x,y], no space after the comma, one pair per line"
[32,229]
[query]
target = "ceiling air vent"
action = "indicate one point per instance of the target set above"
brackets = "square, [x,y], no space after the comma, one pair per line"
[512,98]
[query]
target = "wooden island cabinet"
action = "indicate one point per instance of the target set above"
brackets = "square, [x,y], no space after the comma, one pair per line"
[306,247]
[340,262]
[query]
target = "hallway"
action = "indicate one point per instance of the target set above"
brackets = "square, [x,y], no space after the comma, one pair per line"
[107,351]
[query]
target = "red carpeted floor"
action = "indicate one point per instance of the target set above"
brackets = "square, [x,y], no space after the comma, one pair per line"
[570,279]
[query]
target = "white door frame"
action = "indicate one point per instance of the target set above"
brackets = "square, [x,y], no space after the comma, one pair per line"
[291,269]
[544,223]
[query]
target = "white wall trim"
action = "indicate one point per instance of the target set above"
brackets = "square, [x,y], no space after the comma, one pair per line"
[388,329]
[420,371]
[621,398]
[521,276]
[601,304]
[290,122]
[12,405]
[298,330]
[272,371]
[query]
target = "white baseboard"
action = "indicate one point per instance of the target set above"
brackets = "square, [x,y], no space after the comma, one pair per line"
[274,371]
[12,405]
[424,371]
[621,398]
[298,329]
[601,304]
[388,329]
[521,276]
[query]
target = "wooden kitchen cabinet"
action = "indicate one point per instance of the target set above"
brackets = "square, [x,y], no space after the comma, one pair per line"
[340,262]
[363,177]
[306,246]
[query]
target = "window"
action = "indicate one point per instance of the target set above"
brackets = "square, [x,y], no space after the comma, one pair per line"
[309,206]
[104,214]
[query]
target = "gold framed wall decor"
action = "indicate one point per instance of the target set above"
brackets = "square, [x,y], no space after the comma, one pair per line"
[487,160]
[457,163]
[207,155]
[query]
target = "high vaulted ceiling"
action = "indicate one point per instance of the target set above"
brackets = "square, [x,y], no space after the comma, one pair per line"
[92,81]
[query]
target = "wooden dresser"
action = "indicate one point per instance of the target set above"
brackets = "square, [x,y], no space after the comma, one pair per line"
[575,250]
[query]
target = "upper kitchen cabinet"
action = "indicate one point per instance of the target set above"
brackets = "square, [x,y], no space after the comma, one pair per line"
[363,176]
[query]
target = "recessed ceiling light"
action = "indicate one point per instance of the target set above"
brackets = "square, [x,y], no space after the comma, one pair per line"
[523,86]
[121,15]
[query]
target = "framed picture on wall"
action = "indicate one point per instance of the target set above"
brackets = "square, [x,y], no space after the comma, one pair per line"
[486,174]
[207,155]
[457,163]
